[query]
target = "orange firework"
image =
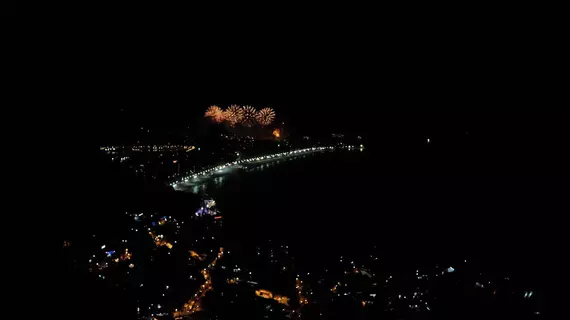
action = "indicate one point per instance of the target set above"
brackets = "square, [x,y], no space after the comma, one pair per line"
[249,114]
[277,133]
[233,114]
[265,116]
[216,113]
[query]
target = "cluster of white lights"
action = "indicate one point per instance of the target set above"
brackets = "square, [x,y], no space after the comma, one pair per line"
[250,160]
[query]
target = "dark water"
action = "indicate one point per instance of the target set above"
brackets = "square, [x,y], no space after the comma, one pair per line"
[347,203]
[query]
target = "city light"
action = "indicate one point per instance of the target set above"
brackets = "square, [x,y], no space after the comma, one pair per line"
[260,158]
[159,242]
[357,281]
[195,304]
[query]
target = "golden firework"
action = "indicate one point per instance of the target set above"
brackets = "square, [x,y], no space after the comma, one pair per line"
[216,113]
[249,114]
[265,116]
[277,133]
[233,114]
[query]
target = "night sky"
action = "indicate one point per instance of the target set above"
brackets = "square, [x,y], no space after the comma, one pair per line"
[491,106]
[393,93]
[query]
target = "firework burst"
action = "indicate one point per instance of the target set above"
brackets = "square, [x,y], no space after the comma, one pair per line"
[277,133]
[216,113]
[249,114]
[234,114]
[265,116]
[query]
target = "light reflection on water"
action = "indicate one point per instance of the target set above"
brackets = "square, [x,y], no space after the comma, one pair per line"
[198,188]
[219,180]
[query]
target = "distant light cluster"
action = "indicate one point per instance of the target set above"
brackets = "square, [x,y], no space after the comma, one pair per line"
[147,148]
[247,115]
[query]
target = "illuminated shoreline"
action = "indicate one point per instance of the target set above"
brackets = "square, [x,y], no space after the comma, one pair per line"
[199,177]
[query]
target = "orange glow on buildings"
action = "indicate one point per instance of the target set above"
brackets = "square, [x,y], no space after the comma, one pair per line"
[195,304]
[195,255]
[266,294]
[159,242]
[281,299]
[335,288]
[299,286]
[126,255]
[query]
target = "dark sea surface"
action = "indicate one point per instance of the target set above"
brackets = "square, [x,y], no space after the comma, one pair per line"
[353,204]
